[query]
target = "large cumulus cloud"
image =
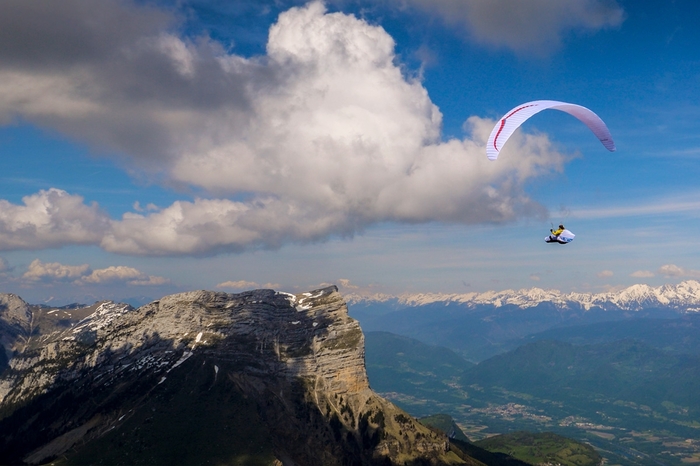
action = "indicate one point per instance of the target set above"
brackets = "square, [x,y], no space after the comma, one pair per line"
[323,135]
[50,218]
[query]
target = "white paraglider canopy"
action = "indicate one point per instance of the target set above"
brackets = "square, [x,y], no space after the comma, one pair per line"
[517,116]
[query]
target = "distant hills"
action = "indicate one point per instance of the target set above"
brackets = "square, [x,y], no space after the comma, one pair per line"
[588,376]
[423,368]
[478,326]
[678,335]
[619,370]
[683,297]
[636,403]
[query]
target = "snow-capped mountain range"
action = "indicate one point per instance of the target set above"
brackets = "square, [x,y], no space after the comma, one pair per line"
[684,297]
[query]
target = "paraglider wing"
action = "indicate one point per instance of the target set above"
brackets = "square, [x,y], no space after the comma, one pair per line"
[507,125]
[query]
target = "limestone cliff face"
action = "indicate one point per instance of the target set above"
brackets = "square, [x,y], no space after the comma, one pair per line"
[285,370]
[15,324]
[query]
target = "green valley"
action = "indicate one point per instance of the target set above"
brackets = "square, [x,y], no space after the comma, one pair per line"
[634,403]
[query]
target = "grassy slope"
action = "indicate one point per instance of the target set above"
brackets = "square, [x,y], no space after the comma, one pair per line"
[625,370]
[544,447]
[446,424]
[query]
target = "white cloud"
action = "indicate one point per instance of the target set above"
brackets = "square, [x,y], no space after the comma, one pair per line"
[238,285]
[54,271]
[525,25]
[672,270]
[345,283]
[50,218]
[111,274]
[535,277]
[642,274]
[246,285]
[325,134]
[122,274]
[605,274]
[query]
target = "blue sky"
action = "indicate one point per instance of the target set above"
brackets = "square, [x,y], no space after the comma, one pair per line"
[154,147]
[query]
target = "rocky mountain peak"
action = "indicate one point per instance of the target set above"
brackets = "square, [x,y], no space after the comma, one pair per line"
[293,362]
[14,310]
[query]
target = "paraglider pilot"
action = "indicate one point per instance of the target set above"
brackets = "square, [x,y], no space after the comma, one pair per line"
[560,236]
[557,232]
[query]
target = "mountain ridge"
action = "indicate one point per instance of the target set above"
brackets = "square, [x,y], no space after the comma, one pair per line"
[684,296]
[112,384]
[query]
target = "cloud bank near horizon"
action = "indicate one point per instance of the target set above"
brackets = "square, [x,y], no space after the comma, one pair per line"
[324,135]
[50,273]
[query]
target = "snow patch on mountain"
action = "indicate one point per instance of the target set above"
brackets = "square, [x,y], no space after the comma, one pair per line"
[104,315]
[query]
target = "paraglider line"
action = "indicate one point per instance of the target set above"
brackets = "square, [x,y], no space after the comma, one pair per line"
[503,123]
